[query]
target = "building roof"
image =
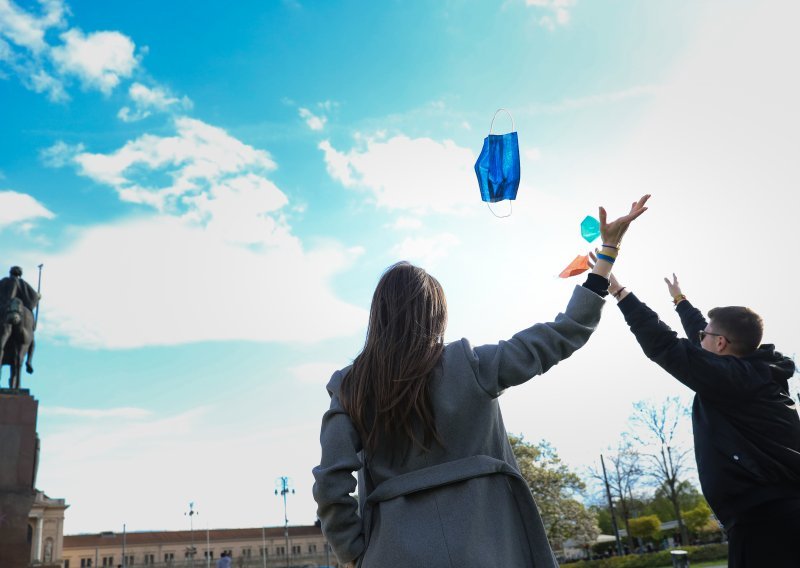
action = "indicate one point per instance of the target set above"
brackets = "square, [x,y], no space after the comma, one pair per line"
[181,537]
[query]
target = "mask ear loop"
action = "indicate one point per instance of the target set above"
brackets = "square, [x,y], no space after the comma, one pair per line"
[491,127]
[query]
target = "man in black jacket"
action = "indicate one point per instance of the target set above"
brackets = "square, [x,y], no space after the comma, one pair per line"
[746,425]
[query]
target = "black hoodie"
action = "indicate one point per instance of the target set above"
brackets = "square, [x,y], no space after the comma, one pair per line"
[746,425]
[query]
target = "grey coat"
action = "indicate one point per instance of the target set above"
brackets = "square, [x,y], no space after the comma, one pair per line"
[462,504]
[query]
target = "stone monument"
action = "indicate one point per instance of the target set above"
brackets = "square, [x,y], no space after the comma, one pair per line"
[18,463]
[19,443]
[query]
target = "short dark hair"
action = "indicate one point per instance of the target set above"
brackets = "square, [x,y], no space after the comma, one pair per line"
[742,326]
[15,271]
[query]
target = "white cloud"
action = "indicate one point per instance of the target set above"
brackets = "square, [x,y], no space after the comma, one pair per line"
[100,59]
[40,81]
[314,373]
[60,154]
[96,413]
[558,11]
[219,236]
[427,251]
[533,154]
[599,99]
[146,100]
[20,208]
[313,121]
[27,30]
[173,282]
[414,174]
[337,164]
[6,54]
[214,178]
[402,223]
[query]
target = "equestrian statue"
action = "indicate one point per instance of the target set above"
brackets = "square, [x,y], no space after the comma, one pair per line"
[18,300]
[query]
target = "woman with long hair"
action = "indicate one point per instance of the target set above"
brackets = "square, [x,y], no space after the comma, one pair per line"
[438,485]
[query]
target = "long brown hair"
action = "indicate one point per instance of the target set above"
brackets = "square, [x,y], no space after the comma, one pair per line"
[386,393]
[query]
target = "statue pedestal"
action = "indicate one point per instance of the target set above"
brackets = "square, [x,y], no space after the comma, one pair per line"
[18,456]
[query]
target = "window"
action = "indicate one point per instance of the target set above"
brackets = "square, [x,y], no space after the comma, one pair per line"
[149,558]
[86,562]
[129,560]
[229,551]
[246,552]
[279,550]
[296,549]
[263,551]
[108,561]
[208,554]
[169,558]
[312,548]
[66,563]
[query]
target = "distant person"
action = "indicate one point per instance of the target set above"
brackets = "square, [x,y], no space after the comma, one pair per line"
[746,425]
[224,560]
[419,420]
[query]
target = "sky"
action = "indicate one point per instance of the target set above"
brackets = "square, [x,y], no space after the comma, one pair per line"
[214,190]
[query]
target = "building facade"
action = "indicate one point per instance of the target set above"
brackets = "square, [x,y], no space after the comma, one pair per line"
[46,530]
[267,547]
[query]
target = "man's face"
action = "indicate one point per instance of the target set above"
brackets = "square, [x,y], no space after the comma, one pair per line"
[711,340]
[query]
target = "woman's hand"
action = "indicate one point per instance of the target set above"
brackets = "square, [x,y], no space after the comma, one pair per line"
[614,286]
[612,232]
[674,288]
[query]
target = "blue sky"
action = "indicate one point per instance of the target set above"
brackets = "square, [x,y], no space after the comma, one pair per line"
[214,191]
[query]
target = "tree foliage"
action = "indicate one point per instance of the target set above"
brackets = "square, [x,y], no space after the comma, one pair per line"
[661,504]
[646,527]
[697,518]
[555,488]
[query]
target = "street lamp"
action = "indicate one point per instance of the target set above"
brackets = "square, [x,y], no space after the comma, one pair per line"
[191,513]
[283,488]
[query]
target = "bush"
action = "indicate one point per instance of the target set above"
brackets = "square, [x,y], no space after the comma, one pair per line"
[657,559]
[709,552]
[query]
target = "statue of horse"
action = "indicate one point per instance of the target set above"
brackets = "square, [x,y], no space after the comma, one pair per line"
[16,340]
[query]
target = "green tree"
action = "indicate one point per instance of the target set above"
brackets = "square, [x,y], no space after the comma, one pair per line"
[555,488]
[603,518]
[661,504]
[698,517]
[646,528]
[656,430]
[623,472]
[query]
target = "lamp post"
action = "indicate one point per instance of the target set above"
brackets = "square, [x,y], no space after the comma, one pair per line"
[208,547]
[264,545]
[283,488]
[191,513]
[611,507]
